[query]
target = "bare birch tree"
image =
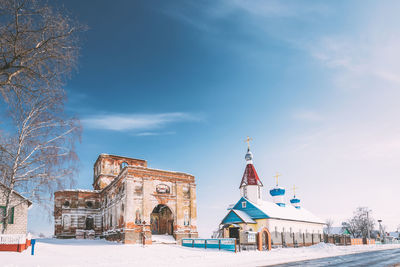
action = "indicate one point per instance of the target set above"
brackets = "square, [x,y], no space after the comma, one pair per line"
[38,50]
[38,47]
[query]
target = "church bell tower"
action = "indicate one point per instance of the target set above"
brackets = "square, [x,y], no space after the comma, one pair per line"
[250,186]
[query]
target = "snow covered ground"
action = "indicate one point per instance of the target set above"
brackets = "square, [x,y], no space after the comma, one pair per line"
[163,239]
[54,252]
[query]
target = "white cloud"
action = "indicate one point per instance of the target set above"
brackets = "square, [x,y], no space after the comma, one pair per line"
[136,122]
[153,133]
[205,17]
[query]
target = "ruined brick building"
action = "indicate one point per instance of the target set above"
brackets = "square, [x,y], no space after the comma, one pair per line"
[129,201]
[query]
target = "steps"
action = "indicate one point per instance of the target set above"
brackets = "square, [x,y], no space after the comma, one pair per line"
[163,239]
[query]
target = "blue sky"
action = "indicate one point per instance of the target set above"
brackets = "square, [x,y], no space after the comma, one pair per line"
[183,83]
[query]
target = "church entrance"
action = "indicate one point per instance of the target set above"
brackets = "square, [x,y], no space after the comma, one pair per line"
[162,220]
[264,239]
[234,232]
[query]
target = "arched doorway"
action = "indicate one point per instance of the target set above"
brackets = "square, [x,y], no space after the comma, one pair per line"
[89,223]
[162,220]
[264,239]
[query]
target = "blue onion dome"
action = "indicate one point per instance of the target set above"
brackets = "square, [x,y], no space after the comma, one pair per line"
[295,200]
[277,191]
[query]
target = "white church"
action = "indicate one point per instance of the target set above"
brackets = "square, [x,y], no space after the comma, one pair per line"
[276,222]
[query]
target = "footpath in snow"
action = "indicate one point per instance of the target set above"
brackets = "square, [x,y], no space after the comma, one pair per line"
[56,252]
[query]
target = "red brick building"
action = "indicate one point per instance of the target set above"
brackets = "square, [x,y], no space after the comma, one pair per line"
[129,202]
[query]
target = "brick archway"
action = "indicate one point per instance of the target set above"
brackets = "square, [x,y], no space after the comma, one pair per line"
[264,237]
[162,220]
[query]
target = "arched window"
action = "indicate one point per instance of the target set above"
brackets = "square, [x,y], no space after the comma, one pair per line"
[66,222]
[89,204]
[123,165]
[66,204]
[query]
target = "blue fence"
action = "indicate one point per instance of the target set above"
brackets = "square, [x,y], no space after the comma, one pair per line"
[215,243]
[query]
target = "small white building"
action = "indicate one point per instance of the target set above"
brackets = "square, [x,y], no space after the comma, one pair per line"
[18,219]
[279,223]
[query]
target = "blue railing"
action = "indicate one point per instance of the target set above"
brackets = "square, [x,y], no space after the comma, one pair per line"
[228,244]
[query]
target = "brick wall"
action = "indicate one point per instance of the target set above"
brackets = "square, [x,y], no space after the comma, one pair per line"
[19,226]
[129,193]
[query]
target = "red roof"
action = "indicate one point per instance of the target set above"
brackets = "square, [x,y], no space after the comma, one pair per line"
[250,176]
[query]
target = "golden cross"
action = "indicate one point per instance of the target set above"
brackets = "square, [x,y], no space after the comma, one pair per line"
[294,190]
[276,177]
[248,139]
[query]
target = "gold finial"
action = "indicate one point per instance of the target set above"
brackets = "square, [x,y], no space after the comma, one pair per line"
[248,139]
[276,177]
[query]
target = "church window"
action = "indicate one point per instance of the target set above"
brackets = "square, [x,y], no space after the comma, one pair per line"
[290,229]
[66,204]
[245,191]
[66,222]
[276,231]
[259,192]
[243,204]
[89,204]
[123,165]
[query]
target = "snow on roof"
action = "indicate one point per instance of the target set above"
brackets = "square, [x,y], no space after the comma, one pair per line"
[18,194]
[154,169]
[336,230]
[287,212]
[80,190]
[394,234]
[243,215]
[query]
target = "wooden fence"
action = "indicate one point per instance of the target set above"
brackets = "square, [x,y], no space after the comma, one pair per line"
[16,242]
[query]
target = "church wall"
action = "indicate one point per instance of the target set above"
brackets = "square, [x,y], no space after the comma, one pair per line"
[147,189]
[72,208]
[107,167]
[192,220]
[126,201]
[113,206]
[284,232]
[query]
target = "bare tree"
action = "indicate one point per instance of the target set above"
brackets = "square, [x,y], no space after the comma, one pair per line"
[329,224]
[38,50]
[361,223]
[38,47]
[39,156]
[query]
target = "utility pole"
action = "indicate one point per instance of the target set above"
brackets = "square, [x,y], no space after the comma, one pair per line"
[369,234]
[380,230]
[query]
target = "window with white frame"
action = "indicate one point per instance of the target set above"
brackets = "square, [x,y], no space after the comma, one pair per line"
[244,204]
